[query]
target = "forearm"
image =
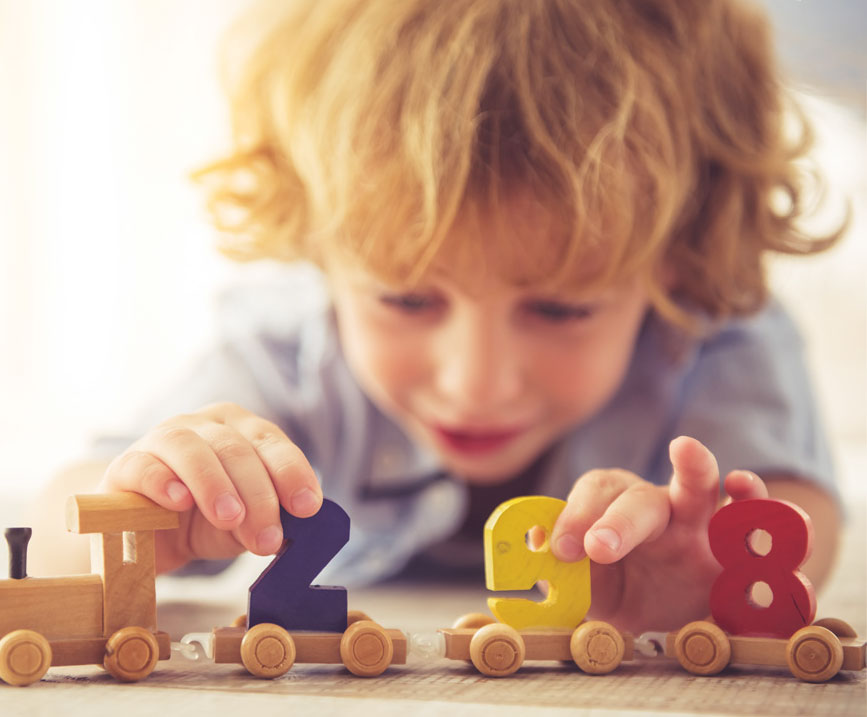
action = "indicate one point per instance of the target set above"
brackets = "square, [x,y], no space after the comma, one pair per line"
[826,517]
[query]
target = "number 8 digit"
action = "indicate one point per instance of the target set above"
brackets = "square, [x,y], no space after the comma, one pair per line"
[794,601]
[511,565]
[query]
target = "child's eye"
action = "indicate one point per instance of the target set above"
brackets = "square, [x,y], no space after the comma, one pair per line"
[560,312]
[410,303]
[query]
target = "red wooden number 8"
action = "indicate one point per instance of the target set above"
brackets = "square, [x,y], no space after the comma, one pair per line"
[794,601]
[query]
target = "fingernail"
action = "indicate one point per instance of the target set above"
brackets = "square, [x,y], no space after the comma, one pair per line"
[304,503]
[176,491]
[269,539]
[568,547]
[227,507]
[609,538]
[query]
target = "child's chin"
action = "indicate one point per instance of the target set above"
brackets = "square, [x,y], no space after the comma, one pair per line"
[491,471]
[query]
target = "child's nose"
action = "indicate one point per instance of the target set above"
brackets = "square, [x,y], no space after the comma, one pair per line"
[479,366]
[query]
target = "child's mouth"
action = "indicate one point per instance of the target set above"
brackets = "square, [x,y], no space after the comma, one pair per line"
[475,442]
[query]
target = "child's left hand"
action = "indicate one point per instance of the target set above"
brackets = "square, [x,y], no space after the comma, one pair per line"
[651,564]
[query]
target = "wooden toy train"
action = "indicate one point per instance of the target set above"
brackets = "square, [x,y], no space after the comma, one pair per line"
[109,617]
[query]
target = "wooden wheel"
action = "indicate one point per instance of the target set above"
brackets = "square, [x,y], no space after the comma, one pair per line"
[497,650]
[473,620]
[597,647]
[240,621]
[353,616]
[840,628]
[366,649]
[814,654]
[702,648]
[131,654]
[267,650]
[25,657]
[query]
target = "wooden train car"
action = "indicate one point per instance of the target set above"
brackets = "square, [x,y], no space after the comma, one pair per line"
[498,650]
[267,650]
[553,629]
[291,621]
[814,653]
[108,617]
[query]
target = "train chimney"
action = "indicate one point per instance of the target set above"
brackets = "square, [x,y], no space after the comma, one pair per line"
[18,539]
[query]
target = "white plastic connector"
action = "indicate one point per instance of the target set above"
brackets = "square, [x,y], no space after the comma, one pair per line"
[188,645]
[650,644]
[427,646]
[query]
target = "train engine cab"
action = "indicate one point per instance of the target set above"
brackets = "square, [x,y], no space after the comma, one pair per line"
[107,617]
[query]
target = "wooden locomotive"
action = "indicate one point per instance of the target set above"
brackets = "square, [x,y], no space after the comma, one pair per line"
[108,617]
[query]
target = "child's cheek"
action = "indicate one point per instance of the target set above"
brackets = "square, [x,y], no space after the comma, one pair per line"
[387,363]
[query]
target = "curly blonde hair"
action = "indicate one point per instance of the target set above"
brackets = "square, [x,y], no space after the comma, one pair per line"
[656,133]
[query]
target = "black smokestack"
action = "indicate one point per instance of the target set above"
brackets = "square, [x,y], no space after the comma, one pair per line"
[18,539]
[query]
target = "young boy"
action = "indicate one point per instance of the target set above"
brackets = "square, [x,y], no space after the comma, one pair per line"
[541,226]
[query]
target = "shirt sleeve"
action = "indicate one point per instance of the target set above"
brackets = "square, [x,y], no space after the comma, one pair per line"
[748,397]
[744,391]
[257,362]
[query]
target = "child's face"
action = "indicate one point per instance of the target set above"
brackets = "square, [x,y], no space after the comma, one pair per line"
[486,376]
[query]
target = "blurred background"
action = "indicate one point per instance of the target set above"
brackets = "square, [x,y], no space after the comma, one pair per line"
[107,267]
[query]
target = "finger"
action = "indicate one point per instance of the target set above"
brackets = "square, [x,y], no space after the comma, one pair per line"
[207,543]
[193,461]
[694,487]
[260,531]
[291,474]
[639,514]
[744,485]
[587,502]
[142,472]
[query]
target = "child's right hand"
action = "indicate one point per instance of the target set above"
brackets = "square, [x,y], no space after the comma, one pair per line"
[652,566]
[227,471]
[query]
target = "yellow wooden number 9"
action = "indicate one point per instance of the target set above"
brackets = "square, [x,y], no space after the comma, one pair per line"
[511,565]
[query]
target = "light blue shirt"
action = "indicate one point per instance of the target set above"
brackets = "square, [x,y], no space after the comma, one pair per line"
[743,391]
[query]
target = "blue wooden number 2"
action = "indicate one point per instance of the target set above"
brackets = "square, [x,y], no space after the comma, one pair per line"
[283,593]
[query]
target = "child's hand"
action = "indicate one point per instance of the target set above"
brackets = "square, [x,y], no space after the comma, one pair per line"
[651,564]
[228,472]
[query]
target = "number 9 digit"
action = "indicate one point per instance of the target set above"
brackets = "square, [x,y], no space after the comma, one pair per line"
[511,565]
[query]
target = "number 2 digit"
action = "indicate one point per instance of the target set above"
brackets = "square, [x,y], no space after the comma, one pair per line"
[794,601]
[283,594]
[511,565]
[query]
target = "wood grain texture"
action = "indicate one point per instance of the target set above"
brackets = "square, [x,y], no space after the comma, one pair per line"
[769,651]
[91,651]
[310,647]
[55,607]
[539,644]
[129,593]
[116,513]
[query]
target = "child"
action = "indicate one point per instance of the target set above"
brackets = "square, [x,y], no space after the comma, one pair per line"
[542,225]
